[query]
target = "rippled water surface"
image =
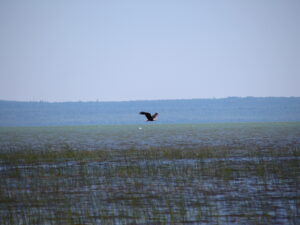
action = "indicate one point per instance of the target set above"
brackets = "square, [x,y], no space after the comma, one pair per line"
[151,135]
[244,173]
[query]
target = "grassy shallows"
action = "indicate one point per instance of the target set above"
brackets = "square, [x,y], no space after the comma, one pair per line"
[206,152]
[215,185]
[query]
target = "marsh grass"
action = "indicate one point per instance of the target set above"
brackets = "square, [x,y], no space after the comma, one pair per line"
[160,186]
[235,183]
[26,156]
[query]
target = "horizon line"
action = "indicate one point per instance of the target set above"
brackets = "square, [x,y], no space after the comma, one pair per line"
[141,100]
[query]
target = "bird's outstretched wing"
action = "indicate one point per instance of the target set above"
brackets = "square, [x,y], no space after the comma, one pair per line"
[148,115]
[154,115]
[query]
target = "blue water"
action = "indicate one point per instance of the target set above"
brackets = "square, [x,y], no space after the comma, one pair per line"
[263,135]
[170,112]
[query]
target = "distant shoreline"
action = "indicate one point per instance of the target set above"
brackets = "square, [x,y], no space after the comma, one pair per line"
[147,100]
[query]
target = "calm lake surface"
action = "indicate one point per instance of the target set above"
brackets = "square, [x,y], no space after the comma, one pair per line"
[151,135]
[239,173]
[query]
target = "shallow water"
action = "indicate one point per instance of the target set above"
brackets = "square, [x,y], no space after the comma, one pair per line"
[249,174]
[265,135]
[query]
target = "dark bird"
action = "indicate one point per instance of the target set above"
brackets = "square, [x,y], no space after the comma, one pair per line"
[149,117]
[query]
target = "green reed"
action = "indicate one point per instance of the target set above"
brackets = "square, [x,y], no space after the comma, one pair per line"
[157,185]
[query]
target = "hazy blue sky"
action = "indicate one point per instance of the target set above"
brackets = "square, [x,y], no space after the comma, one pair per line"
[59,50]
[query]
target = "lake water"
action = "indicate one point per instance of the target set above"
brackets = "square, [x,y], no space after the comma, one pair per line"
[239,173]
[265,135]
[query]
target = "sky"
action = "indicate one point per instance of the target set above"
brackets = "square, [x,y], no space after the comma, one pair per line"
[96,50]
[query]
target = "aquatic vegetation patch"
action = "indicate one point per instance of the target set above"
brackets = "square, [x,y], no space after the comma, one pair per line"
[148,186]
[238,174]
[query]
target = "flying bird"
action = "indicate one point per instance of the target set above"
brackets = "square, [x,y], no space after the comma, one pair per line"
[149,117]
